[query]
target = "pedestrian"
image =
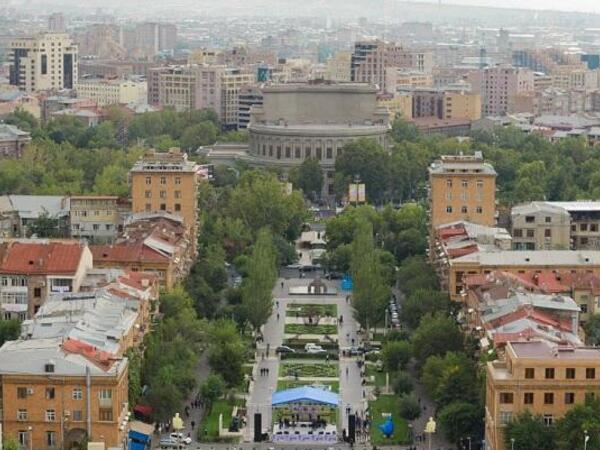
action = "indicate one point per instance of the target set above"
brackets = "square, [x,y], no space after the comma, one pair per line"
[277,303]
[277,316]
[363,393]
[346,371]
[282,285]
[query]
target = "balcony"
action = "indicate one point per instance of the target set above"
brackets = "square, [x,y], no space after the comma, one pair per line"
[105,402]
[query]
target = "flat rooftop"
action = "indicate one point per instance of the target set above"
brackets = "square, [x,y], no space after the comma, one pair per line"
[533,258]
[545,350]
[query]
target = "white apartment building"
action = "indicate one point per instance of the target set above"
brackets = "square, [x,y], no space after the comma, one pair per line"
[112,92]
[46,61]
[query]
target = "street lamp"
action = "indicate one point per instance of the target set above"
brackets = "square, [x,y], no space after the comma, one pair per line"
[469,439]
[585,439]
[30,430]
[512,443]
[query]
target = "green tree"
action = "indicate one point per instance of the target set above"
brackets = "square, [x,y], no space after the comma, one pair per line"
[421,302]
[308,177]
[529,432]
[408,407]
[45,227]
[396,355]
[9,330]
[112,180]
[211,390]
[461,419]
[164,396]
[402,382]
[592,330]
[226,351]
[570,430]
[370,291]
[134,372]
[531,182]
[368,160]
[416,273]
[10,443]
[436,335]
[258,285]
[22,119]
[204,133]
[404,131]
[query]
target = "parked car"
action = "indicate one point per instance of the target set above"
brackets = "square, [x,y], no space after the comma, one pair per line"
[168,442]
[314,349]
[181,437]
[284,349]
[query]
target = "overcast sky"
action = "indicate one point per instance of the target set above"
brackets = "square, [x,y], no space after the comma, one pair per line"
[561,5]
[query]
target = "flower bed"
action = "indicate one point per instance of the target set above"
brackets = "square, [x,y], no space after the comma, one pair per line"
[315,369]
[310,309]
[297,328]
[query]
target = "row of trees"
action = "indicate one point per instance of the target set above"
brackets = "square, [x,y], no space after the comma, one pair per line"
[531,432]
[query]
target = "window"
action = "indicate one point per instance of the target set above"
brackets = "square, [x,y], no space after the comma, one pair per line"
[530,233]
[569,398]
[163,194]
[50,438]
[105,394]
[163,180]
[549,373]
[594,227]
[479,184]
[177,180]
[479,210]
[96,227]
[21,392]
[548,420]
[22,436]
[297,153]
[106,415]
[148,180]
[148,207]
[518,232]
[590,373]
[583,308]
[529,219]
[570,373]
[464,183]
[548,398]
[77,394]
[448,209]
[548,219]
[583,227]
[77,415]
[163,207]
[50,415]
[506,397]
[547,232]
[177,194]
[505,417]
[529,373]
[528,398]
[50,393]
[329,153]
[449,183]
[44,64]
[148,194]
[22,414]
[177,207]
[463,209]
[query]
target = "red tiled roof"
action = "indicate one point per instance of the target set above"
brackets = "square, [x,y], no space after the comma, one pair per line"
[102,359]
[134,252]
[35,258]
[446,233]
[456,252]
[135,279]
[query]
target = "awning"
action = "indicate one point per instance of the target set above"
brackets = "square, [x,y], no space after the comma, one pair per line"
[306,394]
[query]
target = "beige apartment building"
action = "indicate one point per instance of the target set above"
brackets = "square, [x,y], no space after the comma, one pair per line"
[166,182]
[540,226]
[44,62]
[538,376]
[399,105]
[338,67]
[462,105]
[112,92]
[95,217]
[232,82]
[462,187]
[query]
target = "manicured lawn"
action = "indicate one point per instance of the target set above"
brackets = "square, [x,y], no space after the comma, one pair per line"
[387,404]
[298,328]
[379,376]
[308,369]
[290,384]
[304,310]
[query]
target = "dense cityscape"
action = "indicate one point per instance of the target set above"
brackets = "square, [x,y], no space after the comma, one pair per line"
[299,225]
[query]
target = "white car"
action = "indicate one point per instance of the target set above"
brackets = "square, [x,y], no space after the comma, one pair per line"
[181,438]
[314,349]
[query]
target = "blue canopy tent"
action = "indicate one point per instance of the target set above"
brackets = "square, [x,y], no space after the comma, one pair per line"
[306,394]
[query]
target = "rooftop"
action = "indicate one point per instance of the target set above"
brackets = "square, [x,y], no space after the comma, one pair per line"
[172,161]
[542,258]
[546,350]
[461,164]
[46,257]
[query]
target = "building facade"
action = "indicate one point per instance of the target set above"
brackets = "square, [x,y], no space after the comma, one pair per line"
[462,188]
[95,217]
[232,83]
[166,182]
[248,97]
[543,378]
[540,226]
[499,87]
[12,141]
[47,61]
[112,92]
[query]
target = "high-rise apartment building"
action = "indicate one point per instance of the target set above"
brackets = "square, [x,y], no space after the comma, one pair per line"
[543,378]
[501,85]
[248,97]
[371,59]
[165,182]
[153,38]
[232,81]
[56,23]
[462,187]
[44,62]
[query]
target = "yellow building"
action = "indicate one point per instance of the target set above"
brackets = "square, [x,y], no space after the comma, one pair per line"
[540,377]
[232,82]
[165,182]
[338,67]
[462,188]
[95,217]
[112,92]
[462,105]
[399,105]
